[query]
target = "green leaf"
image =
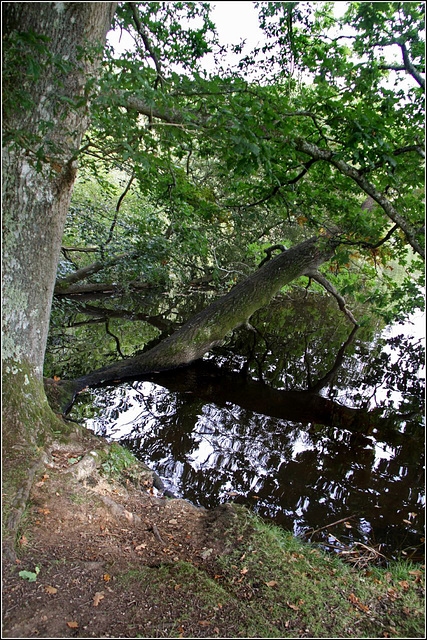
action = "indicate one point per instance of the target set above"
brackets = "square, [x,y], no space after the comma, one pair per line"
[29,575]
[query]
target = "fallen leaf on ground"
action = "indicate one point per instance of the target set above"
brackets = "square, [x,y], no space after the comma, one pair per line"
[404,584]
[292,606]
[73,625]
[50,589]
[271,583]
[357,603]
[392,593]
[106,577]
[99,595]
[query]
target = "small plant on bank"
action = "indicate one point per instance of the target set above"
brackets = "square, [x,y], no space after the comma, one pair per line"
[121,465]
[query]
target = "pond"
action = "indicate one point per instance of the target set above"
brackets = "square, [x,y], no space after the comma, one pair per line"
[305,420]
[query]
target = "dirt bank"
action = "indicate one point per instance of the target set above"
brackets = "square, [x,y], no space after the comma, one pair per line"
[102,554]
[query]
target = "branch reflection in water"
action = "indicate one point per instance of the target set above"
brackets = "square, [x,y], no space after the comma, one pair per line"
[305,421]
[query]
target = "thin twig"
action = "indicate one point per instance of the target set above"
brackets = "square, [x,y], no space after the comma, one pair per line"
[329,525]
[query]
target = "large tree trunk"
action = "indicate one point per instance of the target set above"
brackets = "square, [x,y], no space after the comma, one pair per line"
[47,66]
[209,327]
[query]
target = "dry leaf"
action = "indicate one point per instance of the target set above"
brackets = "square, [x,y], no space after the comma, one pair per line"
[99,595]
[244,571]
[23,541]
[106,577]
[73,625]
[50,589]
[357,603]
[292,606]
[415,573]
[407,521]
[392,593]
[272,583]
[205,623]
[404,584]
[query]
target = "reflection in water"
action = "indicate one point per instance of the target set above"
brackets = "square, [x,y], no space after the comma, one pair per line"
[306,422]
[302,477]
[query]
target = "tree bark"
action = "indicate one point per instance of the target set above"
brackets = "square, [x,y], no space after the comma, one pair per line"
[36,198]
[51,51]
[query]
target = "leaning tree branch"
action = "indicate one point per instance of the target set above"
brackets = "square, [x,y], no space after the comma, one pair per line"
[209,327]
[147,44]
[409,67]
[85,272]
[269,251]
[320,278]
[346,169]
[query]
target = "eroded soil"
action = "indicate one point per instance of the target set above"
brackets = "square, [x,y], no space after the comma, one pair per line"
[99,545]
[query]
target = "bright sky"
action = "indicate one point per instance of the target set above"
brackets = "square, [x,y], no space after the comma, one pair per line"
[236,21]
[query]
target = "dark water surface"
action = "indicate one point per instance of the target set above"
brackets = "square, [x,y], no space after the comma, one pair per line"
[305,421]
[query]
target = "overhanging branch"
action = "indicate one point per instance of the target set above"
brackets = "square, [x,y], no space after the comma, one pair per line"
[409,67]
[328,156]
[320,278]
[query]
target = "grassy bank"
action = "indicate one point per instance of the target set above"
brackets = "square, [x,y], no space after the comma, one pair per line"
[270,585]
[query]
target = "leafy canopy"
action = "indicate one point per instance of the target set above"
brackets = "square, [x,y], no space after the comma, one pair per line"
[318,130]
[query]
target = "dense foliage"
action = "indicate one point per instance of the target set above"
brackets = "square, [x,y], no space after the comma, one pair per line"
[193,172]
[316,131]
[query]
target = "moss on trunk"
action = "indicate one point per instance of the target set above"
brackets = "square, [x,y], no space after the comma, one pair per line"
[28,426]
